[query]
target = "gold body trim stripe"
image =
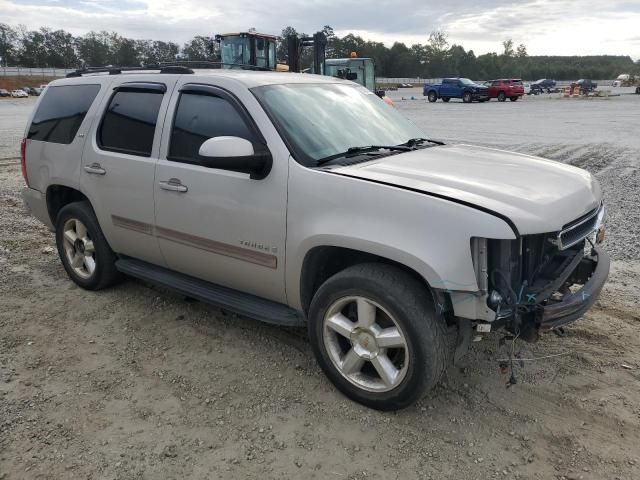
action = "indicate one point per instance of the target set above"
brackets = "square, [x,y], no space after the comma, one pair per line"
[130,224]
[219,248]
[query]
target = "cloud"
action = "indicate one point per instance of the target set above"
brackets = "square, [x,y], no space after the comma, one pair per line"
[562,27]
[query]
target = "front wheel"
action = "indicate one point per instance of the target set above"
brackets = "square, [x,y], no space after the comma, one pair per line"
[466,97]
[432,96]
[376,335]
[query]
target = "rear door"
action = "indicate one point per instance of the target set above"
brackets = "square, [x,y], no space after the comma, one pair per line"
[446,88]
[118,165]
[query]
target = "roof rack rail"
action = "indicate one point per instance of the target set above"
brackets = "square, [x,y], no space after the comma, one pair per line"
[169,68]
[177,67]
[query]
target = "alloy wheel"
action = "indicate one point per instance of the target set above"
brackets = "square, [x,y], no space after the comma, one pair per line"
[365,344]
[79,248]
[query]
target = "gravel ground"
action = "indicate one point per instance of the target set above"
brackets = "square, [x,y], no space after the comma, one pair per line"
[136,383]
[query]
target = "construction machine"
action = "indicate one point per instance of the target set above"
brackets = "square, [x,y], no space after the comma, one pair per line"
[259,50]
[249,48]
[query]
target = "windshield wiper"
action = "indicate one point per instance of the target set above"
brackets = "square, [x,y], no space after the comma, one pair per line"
[414,142]
[351,151]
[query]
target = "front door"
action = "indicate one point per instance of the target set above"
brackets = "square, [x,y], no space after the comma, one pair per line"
[218,224]
[119,162]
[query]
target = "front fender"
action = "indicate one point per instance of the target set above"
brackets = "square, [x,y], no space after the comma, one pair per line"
[427,234]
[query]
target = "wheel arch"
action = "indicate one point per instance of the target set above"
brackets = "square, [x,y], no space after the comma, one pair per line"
[58,196]
[323,261]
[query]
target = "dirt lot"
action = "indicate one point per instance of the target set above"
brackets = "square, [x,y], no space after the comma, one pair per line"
[137,383]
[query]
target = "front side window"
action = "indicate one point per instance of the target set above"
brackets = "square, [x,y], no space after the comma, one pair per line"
[199,118]
[321,120]
[61,113]
[129,123]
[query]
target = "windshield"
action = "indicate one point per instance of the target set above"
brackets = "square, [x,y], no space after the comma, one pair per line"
[466,81]
[321,120]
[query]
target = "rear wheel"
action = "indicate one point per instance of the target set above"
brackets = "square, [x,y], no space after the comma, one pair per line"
[466,97]
[375,333]
[513,99]
[432,96]
[85,253]
[445,99]
[502,97]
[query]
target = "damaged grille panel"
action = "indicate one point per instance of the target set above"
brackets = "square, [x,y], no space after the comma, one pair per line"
[581,229]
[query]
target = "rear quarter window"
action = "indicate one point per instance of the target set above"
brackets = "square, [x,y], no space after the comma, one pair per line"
[61,112]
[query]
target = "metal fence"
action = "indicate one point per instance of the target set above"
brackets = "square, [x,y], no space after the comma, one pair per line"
[416,82]
[34,72]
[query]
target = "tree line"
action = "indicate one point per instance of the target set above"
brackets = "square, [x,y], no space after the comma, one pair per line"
[436,58]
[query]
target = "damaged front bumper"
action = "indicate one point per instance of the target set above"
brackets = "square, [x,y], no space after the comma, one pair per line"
[592,273]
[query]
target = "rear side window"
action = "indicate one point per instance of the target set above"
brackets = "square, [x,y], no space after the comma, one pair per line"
[200,117]
[129,123]
[61,113]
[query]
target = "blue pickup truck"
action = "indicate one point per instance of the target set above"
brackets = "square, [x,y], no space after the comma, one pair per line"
[462,88]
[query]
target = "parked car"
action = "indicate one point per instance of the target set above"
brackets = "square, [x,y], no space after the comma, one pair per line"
[246,198]
[19,94]
[34,91]
[450,88]
[585,85]
[543,85]
[504,88]
[27,90]
[4,93]
[527,88]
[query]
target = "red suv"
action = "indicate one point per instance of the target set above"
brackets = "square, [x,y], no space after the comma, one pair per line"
[504,88]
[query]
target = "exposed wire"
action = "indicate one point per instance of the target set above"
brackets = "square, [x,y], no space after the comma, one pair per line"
[534,358]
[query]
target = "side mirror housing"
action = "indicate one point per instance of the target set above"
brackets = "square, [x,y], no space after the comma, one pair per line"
[235,154]
[352,76]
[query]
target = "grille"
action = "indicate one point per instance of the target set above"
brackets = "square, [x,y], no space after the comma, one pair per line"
[580,229]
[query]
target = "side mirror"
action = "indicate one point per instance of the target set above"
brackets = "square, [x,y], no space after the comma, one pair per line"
[352,76]
[381,93]
[235,154]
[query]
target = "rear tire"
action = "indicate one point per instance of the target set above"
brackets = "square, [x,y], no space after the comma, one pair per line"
[466,97]
[432,96]
[83,250]
[502,97]
[373,318]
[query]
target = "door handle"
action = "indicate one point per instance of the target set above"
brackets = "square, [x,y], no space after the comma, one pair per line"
[95,169]
[173,185]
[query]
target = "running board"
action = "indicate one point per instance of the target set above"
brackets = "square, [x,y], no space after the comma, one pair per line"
[227,298]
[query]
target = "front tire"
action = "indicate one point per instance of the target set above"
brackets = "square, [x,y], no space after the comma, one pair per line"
[432,96]
[376,335]
[83,250]
[466,97]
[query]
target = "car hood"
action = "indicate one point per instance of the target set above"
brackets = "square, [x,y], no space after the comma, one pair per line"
[536,194]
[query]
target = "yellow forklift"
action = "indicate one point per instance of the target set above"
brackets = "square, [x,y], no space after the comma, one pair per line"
[258,50]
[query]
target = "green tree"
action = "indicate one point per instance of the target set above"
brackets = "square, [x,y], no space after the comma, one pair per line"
[199,48]
[8,45]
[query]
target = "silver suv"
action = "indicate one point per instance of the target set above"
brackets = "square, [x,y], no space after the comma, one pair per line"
[306,200]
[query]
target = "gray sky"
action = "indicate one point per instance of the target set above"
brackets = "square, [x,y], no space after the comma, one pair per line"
[553,27]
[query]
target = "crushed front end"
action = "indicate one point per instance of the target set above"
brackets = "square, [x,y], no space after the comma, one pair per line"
[543,281]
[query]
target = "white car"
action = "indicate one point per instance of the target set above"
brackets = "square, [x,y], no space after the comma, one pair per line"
[527,88]
[305,200]
[19,94]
